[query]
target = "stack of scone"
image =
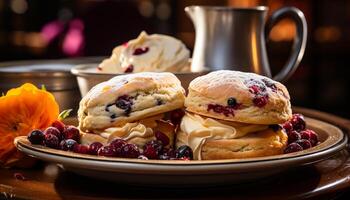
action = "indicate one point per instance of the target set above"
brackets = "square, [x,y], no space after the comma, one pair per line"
[131,107]
[229,114]
[234,114]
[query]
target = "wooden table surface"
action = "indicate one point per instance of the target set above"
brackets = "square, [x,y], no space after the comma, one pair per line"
[324,180]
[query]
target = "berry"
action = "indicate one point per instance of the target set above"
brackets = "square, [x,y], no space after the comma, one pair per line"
[67,145]
[79,148]
[306,144]
[54,131]
[94,147]
[124,102]
[129,69]
[293,136]
[226,110]
[310,135]
[260,101]
[130,151]
[162,137]
[36,137]
[232,102]
[288,127]
[139,51]
[59,125]
[298,122]
[293,147]
[176,116]
[51,141]
[117,146]
[254,89]
[275,127]
[184,151]
[71,132]
[169,152]
[152,149]
[107,151]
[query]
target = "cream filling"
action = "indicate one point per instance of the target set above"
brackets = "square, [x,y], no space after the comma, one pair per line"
[164,53]
[135,133]
[196,130]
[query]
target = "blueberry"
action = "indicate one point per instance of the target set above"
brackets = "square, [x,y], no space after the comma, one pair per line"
[36,137]
[184,151]
[232,102]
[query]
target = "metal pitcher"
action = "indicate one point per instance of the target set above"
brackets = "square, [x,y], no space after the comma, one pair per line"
[234,38]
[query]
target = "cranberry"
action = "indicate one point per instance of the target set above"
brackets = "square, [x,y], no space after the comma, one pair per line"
[184,151]
[152,149]
[254,89]
[306,144]
[226,110]
[298,122]
[71,132]
[107,151]
[231,102]
[142,157]
[310,135]
[139,51]
[51,141]
[293,147]
[162,137]
[67,145]
[176,116]
[59,125]
[54,131]
[288,127]
[36,137]
[129,69]
[260,101]
[117,146]
[94,147]
[293,136]
[79,148]
[130,151]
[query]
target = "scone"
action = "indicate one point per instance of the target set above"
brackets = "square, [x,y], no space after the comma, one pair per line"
[131,107]
[234,114]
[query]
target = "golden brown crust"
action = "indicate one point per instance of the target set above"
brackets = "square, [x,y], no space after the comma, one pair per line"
[217,87]
[265,143]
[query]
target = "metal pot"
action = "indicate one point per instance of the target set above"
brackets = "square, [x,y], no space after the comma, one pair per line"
[54,74]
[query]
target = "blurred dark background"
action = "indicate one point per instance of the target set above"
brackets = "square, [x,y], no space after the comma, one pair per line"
[39,29]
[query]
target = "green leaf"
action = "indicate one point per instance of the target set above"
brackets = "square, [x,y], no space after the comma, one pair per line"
[43,87]
[64,114]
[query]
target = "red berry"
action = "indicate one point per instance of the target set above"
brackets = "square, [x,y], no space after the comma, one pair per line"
[71,132]
[306,144]
[79,148]
[288,127]
[293,136]
[59,125]
[176,116]
[310,135]
[293,147]
[153,149]
[298,122]
[94,147]
[51,141]
[130,151]
[129,69]
[117,145]
[36,137]
[107,151]
[162,137]
[260,101]
[54,131]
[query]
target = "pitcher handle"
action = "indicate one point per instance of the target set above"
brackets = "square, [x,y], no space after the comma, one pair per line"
[299,42]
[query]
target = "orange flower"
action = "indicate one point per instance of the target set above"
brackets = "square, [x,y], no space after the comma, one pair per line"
[22,110]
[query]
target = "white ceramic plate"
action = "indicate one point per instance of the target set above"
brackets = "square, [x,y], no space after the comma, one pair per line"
[190,173]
